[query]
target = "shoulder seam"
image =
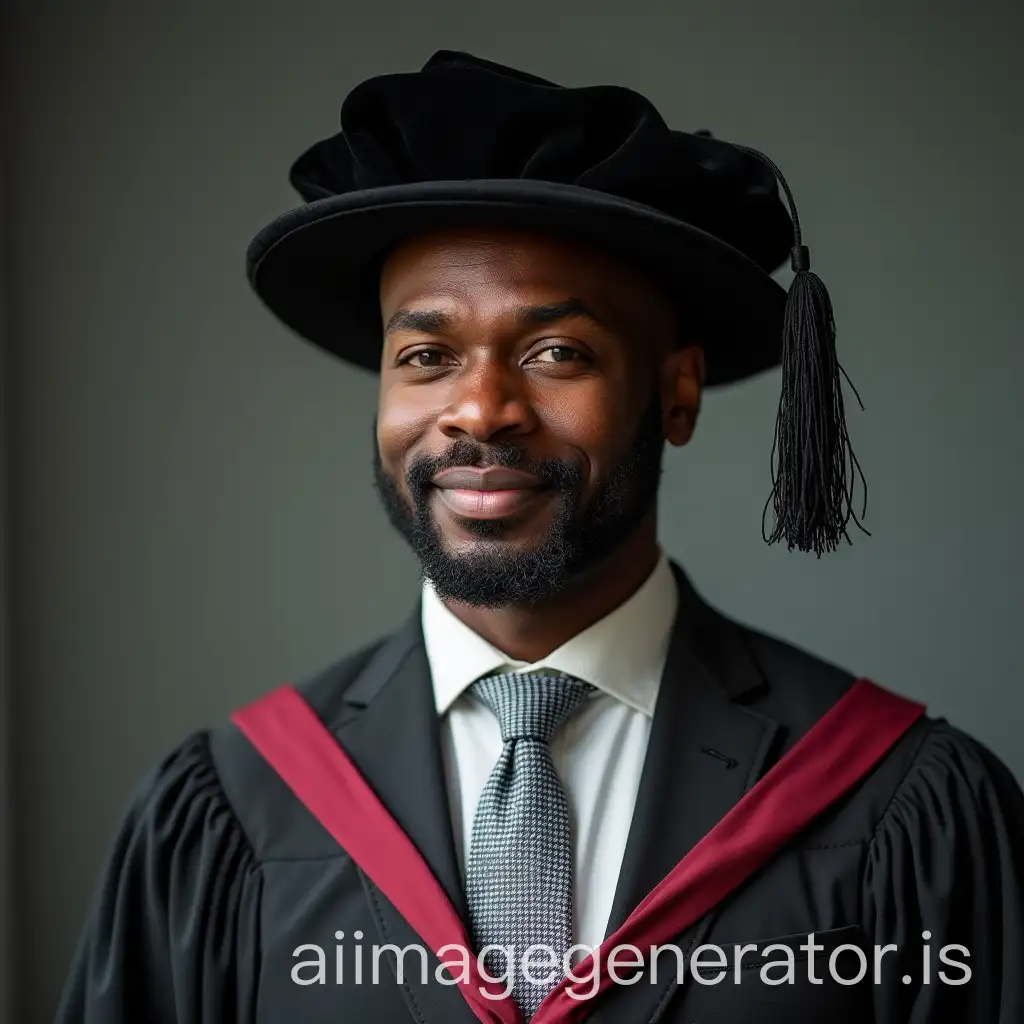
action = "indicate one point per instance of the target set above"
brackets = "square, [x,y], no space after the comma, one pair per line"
[235,817]
[898,788]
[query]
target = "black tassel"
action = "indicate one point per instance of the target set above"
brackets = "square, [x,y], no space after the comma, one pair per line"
[814,468]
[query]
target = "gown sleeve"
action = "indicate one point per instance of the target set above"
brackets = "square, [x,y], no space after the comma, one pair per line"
[172,934]
[948,859]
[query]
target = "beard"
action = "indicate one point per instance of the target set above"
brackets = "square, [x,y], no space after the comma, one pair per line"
[581,534]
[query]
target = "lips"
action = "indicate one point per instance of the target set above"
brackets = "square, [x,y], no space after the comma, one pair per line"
[490,493]
[491,478]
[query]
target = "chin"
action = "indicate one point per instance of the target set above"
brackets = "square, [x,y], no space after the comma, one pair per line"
[491,536]
[523,531]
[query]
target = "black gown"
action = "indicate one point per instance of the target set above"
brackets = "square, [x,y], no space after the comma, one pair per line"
[218,875]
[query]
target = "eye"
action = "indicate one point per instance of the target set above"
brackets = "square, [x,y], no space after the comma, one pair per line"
[559,354]
[423,359]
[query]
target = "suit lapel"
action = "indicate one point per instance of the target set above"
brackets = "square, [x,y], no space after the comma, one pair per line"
[388,725]
[705,750]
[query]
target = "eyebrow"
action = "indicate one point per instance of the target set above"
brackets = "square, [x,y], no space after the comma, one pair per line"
[433,321]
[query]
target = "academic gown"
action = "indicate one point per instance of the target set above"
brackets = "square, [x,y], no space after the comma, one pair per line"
[218,874]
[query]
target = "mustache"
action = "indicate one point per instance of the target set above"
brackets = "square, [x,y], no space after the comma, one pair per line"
[465,453]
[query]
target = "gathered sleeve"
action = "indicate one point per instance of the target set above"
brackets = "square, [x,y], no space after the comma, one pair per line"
[173,932]
[947,860]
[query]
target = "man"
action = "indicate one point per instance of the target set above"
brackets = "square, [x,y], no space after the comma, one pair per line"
[563,743]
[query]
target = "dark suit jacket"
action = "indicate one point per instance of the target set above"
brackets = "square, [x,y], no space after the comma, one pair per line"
[219,874]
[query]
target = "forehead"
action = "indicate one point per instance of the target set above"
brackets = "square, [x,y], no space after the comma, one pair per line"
[481,265]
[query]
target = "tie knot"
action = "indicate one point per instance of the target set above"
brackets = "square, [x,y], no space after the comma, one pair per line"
[531,705]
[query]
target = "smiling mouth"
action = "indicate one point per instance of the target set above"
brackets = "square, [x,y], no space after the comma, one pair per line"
[490,504]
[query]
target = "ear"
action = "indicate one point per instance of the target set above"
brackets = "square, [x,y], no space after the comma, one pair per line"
[682,384]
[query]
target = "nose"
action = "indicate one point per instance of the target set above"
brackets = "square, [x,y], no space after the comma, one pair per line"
[488,402]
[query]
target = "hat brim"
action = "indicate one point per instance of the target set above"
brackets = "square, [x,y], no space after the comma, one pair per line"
[317,267]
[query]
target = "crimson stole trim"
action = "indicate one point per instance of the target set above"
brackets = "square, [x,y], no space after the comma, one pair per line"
[837,752]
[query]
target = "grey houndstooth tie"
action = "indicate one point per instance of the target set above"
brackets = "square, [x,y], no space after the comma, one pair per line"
[519,871]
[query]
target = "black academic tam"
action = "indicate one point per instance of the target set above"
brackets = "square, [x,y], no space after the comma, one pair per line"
[224,901]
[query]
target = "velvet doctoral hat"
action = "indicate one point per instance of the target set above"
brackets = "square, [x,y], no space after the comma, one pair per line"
[465,141]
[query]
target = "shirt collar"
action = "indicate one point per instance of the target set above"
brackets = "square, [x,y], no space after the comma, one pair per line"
[622,654]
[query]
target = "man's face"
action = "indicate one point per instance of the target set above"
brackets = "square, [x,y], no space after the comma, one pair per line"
[520,424]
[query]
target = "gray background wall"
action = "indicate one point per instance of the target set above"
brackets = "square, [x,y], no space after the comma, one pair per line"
[192,515]
[6,759]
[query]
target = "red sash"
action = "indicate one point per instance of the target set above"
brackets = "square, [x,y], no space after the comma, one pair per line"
[841,748]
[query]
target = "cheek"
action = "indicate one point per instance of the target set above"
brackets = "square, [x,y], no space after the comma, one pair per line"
[400,425]
[585,425]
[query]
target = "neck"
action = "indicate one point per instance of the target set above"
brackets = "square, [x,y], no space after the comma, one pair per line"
[531,633]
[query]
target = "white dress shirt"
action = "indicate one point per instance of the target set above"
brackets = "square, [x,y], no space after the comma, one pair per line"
[598,754]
